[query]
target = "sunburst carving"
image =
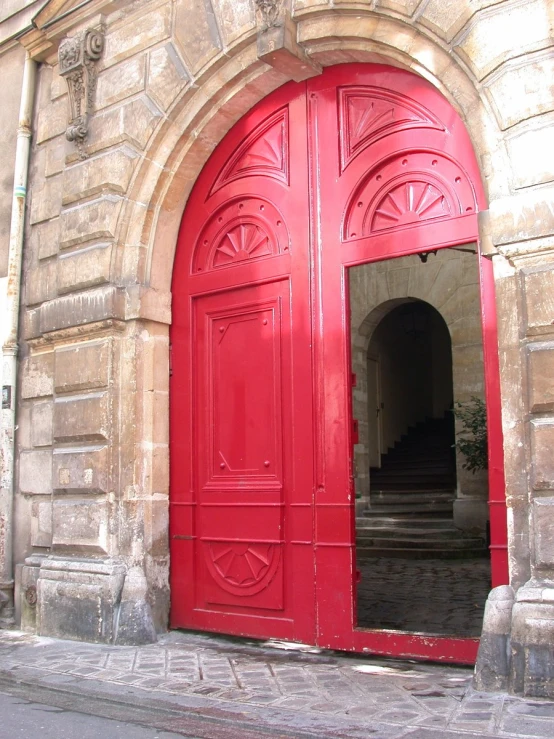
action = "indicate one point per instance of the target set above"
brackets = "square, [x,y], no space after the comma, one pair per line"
[368,116]
[242,564]
[264,152]
[409,203]
[244,228]
[244,241]
[369,113]
[243,568]
[410,188]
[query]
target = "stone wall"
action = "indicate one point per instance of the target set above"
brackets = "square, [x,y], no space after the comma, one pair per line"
[101,234]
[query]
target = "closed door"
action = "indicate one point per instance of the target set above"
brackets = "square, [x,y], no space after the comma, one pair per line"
[241,392]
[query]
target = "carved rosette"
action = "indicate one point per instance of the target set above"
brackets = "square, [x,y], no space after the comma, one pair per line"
[245,228]
[408,189]
[242,569]
[77,57]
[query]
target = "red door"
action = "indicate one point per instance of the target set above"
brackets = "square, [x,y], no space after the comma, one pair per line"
[241,408]
[359,164]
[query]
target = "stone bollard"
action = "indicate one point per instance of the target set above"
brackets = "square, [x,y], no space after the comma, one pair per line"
[492,668]
[134,623]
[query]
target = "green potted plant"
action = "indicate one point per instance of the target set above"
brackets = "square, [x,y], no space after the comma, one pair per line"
[473,435]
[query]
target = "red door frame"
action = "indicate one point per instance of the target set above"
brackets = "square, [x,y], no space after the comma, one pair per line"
[331,255]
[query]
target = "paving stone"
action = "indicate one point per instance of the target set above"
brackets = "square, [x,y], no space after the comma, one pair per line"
[261,699]
[399,716]
[431,596]
[433,721]
[130,679]
[362,711]
[527,726]
[539,710]
[326,707]
[389,698]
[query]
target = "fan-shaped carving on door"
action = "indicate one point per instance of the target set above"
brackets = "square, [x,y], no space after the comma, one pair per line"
[245,228]
[406,190]
[264,152]
[367,114]
[242,569]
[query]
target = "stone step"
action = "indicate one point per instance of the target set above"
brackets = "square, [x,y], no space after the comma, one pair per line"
[403,542]
[407,485]
[414,465]
[383,509]
[414,533]
[444,479]
[419,553]
[403,476]
[412,497]
[404,522]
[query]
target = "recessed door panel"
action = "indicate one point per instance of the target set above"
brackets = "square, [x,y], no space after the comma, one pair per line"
[243,369]
[242,378]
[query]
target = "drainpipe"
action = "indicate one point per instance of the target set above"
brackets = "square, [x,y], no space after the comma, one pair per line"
[9,348]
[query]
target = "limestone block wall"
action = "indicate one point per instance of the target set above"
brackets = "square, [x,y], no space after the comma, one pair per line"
[101,233]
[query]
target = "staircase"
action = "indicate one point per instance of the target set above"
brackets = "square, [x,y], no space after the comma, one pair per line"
[411,499]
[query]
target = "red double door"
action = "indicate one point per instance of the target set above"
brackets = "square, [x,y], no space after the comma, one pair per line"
[360,164]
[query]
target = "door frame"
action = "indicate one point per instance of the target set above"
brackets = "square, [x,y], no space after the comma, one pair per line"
[462,650]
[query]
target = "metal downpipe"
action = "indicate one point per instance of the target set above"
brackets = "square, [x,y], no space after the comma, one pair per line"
[10,345]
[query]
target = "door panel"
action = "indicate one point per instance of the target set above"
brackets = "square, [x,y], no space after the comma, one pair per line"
[242,378]
[242,426]
[403,179]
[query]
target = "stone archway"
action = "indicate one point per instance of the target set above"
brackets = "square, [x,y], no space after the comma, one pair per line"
[181,143]
[449,282]
[102,235]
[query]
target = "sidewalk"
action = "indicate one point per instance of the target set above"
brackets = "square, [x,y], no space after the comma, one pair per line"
[213,687]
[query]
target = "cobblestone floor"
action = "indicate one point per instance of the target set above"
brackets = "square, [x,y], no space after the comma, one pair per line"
[432,596]
[323,694]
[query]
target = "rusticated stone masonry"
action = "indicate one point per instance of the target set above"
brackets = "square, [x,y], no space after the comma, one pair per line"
[91,526]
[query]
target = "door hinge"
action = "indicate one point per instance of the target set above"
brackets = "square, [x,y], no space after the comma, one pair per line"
[355,434]
[170,360]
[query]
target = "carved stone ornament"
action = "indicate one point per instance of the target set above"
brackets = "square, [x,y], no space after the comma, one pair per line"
[31,595]
[270,11]
[77,57]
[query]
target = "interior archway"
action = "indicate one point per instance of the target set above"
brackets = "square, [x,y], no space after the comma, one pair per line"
[408,528]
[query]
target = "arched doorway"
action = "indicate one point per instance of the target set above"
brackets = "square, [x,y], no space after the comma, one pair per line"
[362,163]
[421,514]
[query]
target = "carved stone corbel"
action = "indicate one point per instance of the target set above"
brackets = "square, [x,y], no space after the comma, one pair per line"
[277,44]
[270,12]
[77,57]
